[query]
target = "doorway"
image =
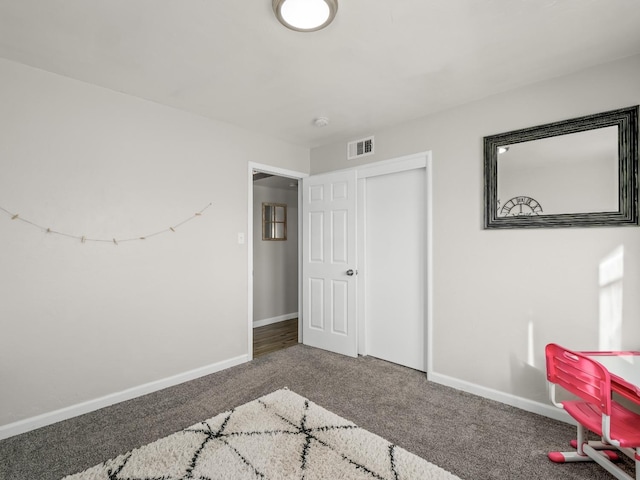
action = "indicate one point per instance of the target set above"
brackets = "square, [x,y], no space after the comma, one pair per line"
[273,259]
[423,313]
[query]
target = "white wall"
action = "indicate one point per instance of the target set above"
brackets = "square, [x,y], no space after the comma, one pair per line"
[81,321]
[275,263]
[497,292]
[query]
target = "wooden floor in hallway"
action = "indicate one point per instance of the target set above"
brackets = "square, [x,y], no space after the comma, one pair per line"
[275,337]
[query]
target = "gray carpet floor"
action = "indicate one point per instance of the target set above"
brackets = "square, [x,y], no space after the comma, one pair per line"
[472,437]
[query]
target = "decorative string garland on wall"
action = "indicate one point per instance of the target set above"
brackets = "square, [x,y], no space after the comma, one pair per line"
[114,240]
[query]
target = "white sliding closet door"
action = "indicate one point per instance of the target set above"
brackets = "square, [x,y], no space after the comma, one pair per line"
[395,267]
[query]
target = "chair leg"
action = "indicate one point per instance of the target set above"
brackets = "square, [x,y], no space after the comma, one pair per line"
[600,445]
[571,457]
[605,463]
[580,455]
[582,438]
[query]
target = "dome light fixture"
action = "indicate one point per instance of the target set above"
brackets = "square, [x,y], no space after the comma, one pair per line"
[305,15]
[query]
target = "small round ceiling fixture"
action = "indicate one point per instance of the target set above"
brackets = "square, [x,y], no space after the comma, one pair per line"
[305,15]
[321,122]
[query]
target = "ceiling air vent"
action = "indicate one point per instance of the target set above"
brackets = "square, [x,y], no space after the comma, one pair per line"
[360,148]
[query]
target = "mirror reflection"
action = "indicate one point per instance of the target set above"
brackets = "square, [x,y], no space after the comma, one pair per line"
[573,173]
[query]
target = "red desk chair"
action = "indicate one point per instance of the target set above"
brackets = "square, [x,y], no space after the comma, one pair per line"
[594,410]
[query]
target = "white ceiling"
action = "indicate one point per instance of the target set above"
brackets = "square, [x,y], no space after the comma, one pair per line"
[380,63]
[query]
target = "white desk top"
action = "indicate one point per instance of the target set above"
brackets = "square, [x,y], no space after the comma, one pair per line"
[624,366]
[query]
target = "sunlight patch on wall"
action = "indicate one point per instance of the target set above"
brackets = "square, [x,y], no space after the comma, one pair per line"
[611,272]
[530,344]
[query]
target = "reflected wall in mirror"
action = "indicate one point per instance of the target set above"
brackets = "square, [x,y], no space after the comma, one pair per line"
[574,173]
[274,221]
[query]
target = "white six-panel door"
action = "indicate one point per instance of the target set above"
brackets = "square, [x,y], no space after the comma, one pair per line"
[329,263]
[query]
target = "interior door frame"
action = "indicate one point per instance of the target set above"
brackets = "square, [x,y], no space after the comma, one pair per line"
[280,172]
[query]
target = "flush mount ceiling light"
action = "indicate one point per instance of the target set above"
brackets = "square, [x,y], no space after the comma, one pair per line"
[305,15]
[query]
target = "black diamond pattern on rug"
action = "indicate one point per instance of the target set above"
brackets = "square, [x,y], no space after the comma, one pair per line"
[279,436]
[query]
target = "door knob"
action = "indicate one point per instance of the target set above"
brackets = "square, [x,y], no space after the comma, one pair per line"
[351,272]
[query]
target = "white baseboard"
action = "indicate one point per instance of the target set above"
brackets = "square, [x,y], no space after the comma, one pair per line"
[49,418]
[269,321]
[506,398]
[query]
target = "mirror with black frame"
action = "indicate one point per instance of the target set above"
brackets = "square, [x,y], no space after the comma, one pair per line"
[573,173]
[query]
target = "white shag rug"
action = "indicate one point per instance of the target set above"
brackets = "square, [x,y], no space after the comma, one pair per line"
[279,436]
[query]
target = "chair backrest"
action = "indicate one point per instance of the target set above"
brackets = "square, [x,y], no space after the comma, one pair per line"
[579,375]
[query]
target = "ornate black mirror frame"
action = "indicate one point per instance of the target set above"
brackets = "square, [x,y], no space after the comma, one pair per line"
[626,119]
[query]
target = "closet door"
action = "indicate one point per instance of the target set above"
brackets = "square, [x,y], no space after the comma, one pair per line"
[394,267]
